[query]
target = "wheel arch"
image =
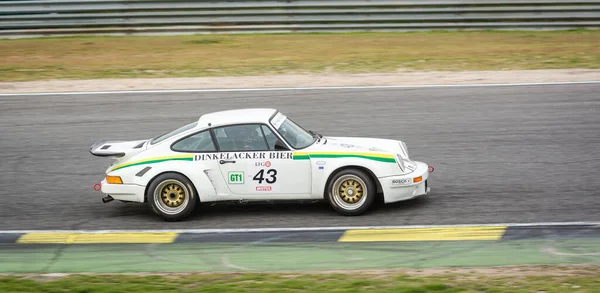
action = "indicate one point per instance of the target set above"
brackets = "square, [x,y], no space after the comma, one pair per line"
[167,172]
[368,171]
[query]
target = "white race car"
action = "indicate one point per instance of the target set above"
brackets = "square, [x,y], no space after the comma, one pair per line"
[257,155]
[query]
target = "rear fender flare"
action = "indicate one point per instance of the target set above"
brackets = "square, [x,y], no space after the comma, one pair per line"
[202,183]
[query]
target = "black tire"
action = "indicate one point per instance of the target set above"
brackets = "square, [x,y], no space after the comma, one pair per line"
[175,186]
[351,203]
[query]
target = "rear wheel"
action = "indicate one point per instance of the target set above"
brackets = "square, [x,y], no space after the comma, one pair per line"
[172,197]
[351,192]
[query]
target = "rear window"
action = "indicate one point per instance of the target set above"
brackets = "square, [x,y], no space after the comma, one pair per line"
[173,133]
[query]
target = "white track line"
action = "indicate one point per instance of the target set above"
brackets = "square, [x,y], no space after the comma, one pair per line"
[204,231]
[299,88]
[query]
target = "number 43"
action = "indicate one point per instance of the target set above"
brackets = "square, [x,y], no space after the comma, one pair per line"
[260,176]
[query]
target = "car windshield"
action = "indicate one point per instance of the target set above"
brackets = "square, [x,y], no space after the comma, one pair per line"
[179,130]
[293,133]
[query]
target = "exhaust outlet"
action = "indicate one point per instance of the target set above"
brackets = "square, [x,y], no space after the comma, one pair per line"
[107,198]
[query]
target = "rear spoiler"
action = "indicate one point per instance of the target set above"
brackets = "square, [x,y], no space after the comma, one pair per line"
[115,148]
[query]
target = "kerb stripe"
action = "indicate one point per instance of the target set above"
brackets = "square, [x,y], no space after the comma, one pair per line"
[424,234]
[87,238]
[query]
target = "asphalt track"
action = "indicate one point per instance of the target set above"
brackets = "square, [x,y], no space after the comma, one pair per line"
[513,154]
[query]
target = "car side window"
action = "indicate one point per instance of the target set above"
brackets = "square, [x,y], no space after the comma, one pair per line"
[199,142]
[248,137]
[269,137]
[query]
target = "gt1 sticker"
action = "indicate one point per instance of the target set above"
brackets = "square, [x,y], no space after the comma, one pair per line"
[236,177]
[404,181]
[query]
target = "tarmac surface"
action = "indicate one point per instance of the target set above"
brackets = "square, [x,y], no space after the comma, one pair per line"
[503,154]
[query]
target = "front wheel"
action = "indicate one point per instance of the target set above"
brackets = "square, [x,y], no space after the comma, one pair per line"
[351,192]
[172,197]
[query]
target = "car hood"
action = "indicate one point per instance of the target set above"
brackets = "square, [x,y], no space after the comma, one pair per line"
[361,144]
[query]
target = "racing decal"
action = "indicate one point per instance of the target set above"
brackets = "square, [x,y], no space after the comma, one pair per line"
[263,164]
[278,120]
[301,156]
[386,158]
[374,149]
[244,155]
[265,176]
[270,173]
[236,177]
[154,160]
[404,181]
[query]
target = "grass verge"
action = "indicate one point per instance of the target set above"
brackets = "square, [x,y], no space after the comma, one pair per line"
[239,55]
[537,279]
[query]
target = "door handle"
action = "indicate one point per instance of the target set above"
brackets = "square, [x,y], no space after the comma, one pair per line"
[225,162]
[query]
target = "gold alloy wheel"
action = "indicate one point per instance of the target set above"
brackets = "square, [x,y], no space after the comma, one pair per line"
[349,192]
[171,196]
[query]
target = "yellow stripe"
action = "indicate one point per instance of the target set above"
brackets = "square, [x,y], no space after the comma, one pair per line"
[424,234]
[84,238]
[376,155]
[151,159]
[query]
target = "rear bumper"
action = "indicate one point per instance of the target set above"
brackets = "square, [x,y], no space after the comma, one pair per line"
[405,187]
[125,192]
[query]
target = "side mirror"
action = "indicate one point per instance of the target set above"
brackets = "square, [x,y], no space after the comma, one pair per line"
[280,146]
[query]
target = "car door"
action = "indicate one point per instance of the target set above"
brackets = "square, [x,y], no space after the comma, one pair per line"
[202,146]
[253,168]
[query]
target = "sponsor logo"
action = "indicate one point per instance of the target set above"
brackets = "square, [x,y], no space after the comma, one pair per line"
[263,164]
[346,145]
[236,177]
[278,120]
[401,181]
[244,155]
[263,188]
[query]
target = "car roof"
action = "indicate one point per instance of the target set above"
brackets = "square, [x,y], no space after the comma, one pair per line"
[237,116]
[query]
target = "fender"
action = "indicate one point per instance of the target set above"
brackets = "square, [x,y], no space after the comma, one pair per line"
[207,180]
[325,168]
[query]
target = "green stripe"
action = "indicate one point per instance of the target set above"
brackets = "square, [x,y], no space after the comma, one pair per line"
[379,159]
[155,161]
[301,157]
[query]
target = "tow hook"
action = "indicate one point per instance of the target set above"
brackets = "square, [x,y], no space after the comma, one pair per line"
[430,169]
[107,198]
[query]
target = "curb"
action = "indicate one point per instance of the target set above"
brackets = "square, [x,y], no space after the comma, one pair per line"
[312,235]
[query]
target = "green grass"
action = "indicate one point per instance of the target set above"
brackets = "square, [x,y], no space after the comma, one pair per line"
[519,279]
[497,280]
[236,55]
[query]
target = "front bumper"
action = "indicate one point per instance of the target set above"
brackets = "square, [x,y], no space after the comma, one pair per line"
[124,192]
[405,187]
